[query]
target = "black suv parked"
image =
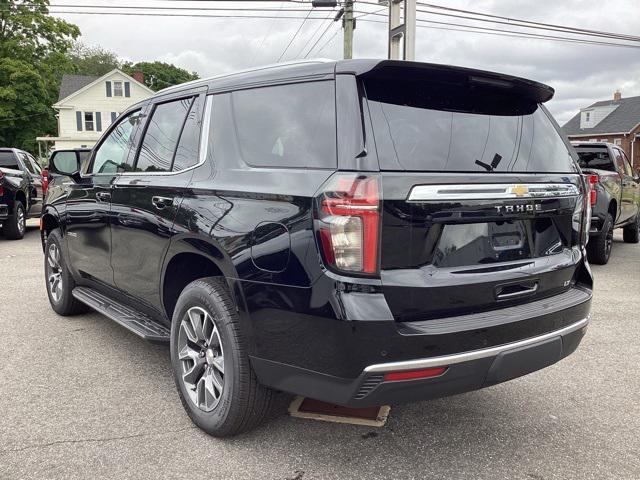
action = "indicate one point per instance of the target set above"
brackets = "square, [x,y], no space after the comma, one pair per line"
[20,191]
[614,196]
[359,232]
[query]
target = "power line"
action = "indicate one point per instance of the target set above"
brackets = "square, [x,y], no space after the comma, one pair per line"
[271,24]
[539,24]
[520,22]
[294,37]
[304,47]
[3,120]
[501,33]
[324,32]
[324,45]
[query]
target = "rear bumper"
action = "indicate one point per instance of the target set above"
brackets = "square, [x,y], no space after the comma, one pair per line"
[465,371]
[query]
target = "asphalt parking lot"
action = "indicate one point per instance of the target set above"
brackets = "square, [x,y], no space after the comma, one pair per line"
[82,398]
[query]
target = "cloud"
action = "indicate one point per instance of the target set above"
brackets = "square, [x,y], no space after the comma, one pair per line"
[580,74]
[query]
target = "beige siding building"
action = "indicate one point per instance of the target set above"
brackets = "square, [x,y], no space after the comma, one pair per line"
[88,105]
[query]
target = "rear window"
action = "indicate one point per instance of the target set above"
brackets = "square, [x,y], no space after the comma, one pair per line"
[597,158]
[441,127]
[287,125]
[8,160]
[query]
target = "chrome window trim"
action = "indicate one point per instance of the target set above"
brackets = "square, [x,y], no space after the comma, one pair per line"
[447,360]
[203,150]
[491,191]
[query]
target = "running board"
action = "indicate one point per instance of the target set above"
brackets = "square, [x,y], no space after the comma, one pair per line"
[133,320]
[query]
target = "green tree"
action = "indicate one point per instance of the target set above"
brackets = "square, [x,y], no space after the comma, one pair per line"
[159,75]
[33,48]
[96,60]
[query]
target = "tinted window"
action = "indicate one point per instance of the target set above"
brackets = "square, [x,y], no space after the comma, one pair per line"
[35,164]
[619,160]
[8,160]
[627,165]
[187,152]
[27,163]
[111,155]
[161,137]
[597,158]
[287,125]
[442,127]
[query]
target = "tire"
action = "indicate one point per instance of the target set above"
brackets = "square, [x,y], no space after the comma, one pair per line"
[241,403]
[631,233]
[14,226]
[599,247]
[59,281]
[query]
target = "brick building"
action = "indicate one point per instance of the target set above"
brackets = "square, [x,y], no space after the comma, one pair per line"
[615,121]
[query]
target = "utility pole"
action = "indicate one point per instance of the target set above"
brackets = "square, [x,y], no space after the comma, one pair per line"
[402,31]
[349,25]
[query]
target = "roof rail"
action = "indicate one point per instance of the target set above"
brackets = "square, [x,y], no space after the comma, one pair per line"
[248,70]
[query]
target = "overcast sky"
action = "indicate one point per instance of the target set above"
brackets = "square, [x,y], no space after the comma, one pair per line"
[580,74]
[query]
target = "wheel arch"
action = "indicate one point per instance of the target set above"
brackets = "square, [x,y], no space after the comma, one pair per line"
[613,209]
[189,259]
[49,221]
[22,197]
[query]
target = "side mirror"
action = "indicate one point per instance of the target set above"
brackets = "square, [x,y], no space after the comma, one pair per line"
[65,162]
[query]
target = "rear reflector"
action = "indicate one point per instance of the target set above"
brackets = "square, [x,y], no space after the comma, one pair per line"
[415,374]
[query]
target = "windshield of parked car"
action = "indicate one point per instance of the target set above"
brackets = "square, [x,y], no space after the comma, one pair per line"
[429,126]
[595,157]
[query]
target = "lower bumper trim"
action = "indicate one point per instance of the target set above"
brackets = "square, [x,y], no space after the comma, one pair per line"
[474,354]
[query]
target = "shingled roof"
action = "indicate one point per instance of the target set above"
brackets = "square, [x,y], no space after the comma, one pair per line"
[622,119]
[72,83]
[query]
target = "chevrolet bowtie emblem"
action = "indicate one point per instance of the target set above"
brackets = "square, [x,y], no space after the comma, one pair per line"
[519,190]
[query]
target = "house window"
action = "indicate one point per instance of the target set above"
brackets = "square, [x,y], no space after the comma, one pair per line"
[88,121]
[587,116]
[117,89]
[617,141]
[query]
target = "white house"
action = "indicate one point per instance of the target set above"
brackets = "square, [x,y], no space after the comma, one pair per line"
[87,105]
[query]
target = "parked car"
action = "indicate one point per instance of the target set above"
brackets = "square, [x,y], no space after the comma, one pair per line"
[615,197]
[20,191]
[360,232]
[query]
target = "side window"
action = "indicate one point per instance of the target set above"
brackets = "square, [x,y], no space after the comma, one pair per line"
[187,152]
[111,155]
[27,163]
[160,140]
[35,164]
[287,125]
[619,161]
[627,164]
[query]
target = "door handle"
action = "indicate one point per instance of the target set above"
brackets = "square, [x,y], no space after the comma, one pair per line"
[162,202]
[103,196]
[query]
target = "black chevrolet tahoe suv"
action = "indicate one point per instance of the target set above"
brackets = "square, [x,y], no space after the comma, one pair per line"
[20,191]
[614,196]
[359,232]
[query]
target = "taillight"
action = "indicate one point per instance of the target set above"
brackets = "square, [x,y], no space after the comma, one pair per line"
[348,222]
[45,180]
[593,193]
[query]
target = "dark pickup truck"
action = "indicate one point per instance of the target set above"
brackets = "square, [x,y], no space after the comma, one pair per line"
[615,197]
[20,191]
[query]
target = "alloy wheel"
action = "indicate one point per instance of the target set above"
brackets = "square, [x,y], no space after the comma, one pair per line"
[21,221]
[54,274]
[608,245]
[201,356]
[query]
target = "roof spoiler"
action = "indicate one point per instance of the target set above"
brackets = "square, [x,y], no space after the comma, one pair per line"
[521,87]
